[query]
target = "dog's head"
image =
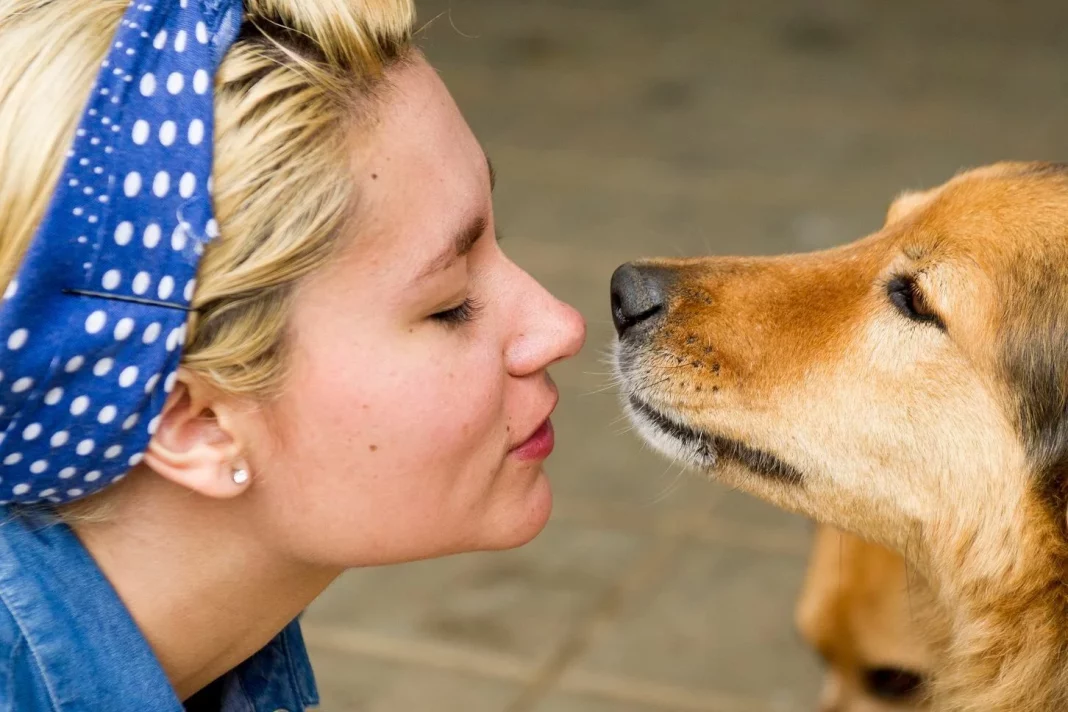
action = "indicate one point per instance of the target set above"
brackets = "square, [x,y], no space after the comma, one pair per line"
[872,622]
[910,386]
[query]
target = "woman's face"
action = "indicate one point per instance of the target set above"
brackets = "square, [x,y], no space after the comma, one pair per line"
[414,421]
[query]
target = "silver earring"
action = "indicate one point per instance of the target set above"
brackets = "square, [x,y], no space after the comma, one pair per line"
[240,477]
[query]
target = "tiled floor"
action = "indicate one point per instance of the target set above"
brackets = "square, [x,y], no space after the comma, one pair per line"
[629,127]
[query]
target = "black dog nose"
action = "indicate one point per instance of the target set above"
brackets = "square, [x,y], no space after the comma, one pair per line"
[637,295]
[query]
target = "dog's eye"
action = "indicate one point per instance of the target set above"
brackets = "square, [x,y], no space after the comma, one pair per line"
[909,299]
[893,684]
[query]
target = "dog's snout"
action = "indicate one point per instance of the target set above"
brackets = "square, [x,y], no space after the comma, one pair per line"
[637,295]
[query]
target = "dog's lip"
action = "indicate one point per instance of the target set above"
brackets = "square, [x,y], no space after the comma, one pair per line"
[713,448]
[670,425]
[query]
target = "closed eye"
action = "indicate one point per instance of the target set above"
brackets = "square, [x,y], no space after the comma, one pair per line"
[464,313]
[907,296]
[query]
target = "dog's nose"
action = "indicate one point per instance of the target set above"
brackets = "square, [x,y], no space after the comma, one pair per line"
[637,295]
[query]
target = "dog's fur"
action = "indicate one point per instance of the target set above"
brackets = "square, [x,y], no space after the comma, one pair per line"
[873,623]
[910,387]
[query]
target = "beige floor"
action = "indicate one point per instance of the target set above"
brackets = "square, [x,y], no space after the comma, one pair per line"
[629,127]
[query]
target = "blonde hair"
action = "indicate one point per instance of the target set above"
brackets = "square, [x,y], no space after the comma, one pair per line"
[289,93]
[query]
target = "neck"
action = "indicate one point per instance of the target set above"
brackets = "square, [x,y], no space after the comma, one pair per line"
[1007,609]
[203,589]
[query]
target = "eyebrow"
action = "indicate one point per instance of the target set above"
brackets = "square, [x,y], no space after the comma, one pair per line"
[464,240]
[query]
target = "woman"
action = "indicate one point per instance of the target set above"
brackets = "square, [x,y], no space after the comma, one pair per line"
[363,379]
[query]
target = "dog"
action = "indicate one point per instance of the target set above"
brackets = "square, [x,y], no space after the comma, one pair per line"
[872,622]
[910,387]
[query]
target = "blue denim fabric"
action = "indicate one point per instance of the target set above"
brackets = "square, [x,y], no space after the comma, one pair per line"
[68,644]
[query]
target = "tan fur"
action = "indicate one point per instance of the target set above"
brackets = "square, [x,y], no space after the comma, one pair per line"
[948,446]
[865,613]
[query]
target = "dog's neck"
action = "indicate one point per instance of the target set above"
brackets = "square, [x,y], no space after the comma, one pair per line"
[1006,605]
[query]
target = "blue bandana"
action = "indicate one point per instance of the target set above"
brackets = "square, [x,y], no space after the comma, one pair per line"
[93,324]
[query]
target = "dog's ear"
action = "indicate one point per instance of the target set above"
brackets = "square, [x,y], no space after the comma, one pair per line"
[907,203]
[1033,342]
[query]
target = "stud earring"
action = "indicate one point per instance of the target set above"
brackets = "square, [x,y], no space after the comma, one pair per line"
[240,476]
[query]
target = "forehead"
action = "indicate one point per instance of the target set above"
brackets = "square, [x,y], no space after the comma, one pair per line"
[416,114]
[989,215]
[419,171]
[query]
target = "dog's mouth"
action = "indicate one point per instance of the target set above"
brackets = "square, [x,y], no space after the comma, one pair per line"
[704,450]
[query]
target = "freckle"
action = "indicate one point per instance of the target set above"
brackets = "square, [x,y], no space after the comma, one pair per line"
[697,388]
[365,406]
[374,448]
[715,368]
[374,176]
[411,329]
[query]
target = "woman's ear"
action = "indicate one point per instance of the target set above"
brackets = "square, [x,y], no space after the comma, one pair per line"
[195,444]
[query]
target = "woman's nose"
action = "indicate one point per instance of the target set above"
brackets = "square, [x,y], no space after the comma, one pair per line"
[573,330]
[549,332]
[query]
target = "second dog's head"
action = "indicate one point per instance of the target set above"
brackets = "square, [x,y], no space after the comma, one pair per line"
[872,622]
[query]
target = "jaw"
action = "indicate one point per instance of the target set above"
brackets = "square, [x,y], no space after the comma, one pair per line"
[677,442]
[703,450]
[920,479]
[977,545]
[718,453]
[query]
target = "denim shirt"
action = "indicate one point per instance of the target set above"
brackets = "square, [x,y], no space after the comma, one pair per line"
[68,644]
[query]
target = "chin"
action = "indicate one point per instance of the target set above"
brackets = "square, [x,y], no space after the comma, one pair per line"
[517,520]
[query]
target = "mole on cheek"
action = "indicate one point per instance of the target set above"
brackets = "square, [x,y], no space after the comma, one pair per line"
[374,448]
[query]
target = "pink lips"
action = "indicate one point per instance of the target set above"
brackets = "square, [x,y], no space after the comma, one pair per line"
[539,445]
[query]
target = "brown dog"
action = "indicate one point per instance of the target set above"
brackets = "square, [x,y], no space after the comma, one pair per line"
[911,387]
[871,621]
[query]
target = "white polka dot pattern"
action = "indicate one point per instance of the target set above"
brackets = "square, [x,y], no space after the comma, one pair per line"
[92,325]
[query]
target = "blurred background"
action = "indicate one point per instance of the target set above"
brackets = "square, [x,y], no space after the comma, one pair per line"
[622,128]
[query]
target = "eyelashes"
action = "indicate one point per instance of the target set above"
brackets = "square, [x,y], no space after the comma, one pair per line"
[465,313]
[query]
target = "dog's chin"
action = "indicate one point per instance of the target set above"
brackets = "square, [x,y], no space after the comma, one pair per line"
[693,447]
[671,439]
[704,451]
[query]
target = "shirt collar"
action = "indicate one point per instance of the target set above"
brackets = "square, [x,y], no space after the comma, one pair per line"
[279,677]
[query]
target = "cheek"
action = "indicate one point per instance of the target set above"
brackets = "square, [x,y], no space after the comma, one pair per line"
[397,406]
[384,451]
